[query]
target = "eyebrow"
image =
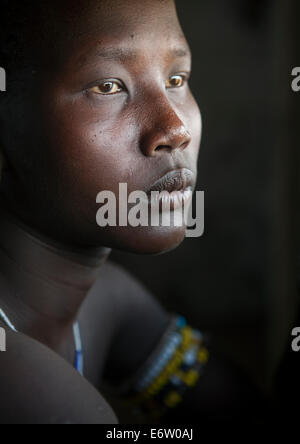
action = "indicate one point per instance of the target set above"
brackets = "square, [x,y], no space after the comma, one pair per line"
[123,54]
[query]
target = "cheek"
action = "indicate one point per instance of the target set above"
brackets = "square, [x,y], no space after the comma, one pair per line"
[90,153]
[94,148]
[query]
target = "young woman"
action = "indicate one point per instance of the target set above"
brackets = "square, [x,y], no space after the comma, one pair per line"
[97,95]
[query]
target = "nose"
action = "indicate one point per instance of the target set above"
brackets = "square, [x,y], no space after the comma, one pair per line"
[165,133]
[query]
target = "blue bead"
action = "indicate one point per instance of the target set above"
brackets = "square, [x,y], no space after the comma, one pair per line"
[181,322]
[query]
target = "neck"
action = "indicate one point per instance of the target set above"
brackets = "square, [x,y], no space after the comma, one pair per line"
[44,283]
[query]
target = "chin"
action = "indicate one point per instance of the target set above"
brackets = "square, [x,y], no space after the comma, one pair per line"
[145,240]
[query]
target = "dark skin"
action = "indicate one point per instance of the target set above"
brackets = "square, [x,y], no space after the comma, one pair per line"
[115,309]
[85,142]
[73,138]
[72,141]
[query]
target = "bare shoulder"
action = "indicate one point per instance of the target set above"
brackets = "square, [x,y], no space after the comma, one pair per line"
[114,295]
[119,291]
[119,279]
[39,387]
[132,300]
[140,320]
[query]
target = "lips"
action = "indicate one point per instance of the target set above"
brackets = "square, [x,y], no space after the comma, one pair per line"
[177,180]
[173,190]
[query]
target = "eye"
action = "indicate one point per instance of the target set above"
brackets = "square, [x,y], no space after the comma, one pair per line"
[107,87]
[176,81]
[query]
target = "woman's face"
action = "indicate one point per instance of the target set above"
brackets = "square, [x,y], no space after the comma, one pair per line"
[108,104]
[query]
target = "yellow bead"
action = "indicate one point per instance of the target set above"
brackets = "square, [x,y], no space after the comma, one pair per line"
[172,399]
[191,378]
[202,356]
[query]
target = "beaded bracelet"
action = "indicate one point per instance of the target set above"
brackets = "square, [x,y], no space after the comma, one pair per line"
[173,368]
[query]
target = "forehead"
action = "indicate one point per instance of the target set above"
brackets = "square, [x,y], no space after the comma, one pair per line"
[119,26]
[114,15]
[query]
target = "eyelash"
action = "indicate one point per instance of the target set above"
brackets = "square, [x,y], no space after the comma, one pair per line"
[184,77]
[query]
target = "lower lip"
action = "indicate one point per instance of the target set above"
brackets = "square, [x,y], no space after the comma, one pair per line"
[175,200]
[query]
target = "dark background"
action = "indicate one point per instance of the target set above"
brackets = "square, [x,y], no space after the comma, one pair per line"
[238,281]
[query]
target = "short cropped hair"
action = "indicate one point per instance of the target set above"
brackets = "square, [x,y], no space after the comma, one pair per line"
[16,16]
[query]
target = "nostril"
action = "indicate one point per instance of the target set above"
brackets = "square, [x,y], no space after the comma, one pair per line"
[184,145]
[163,148]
